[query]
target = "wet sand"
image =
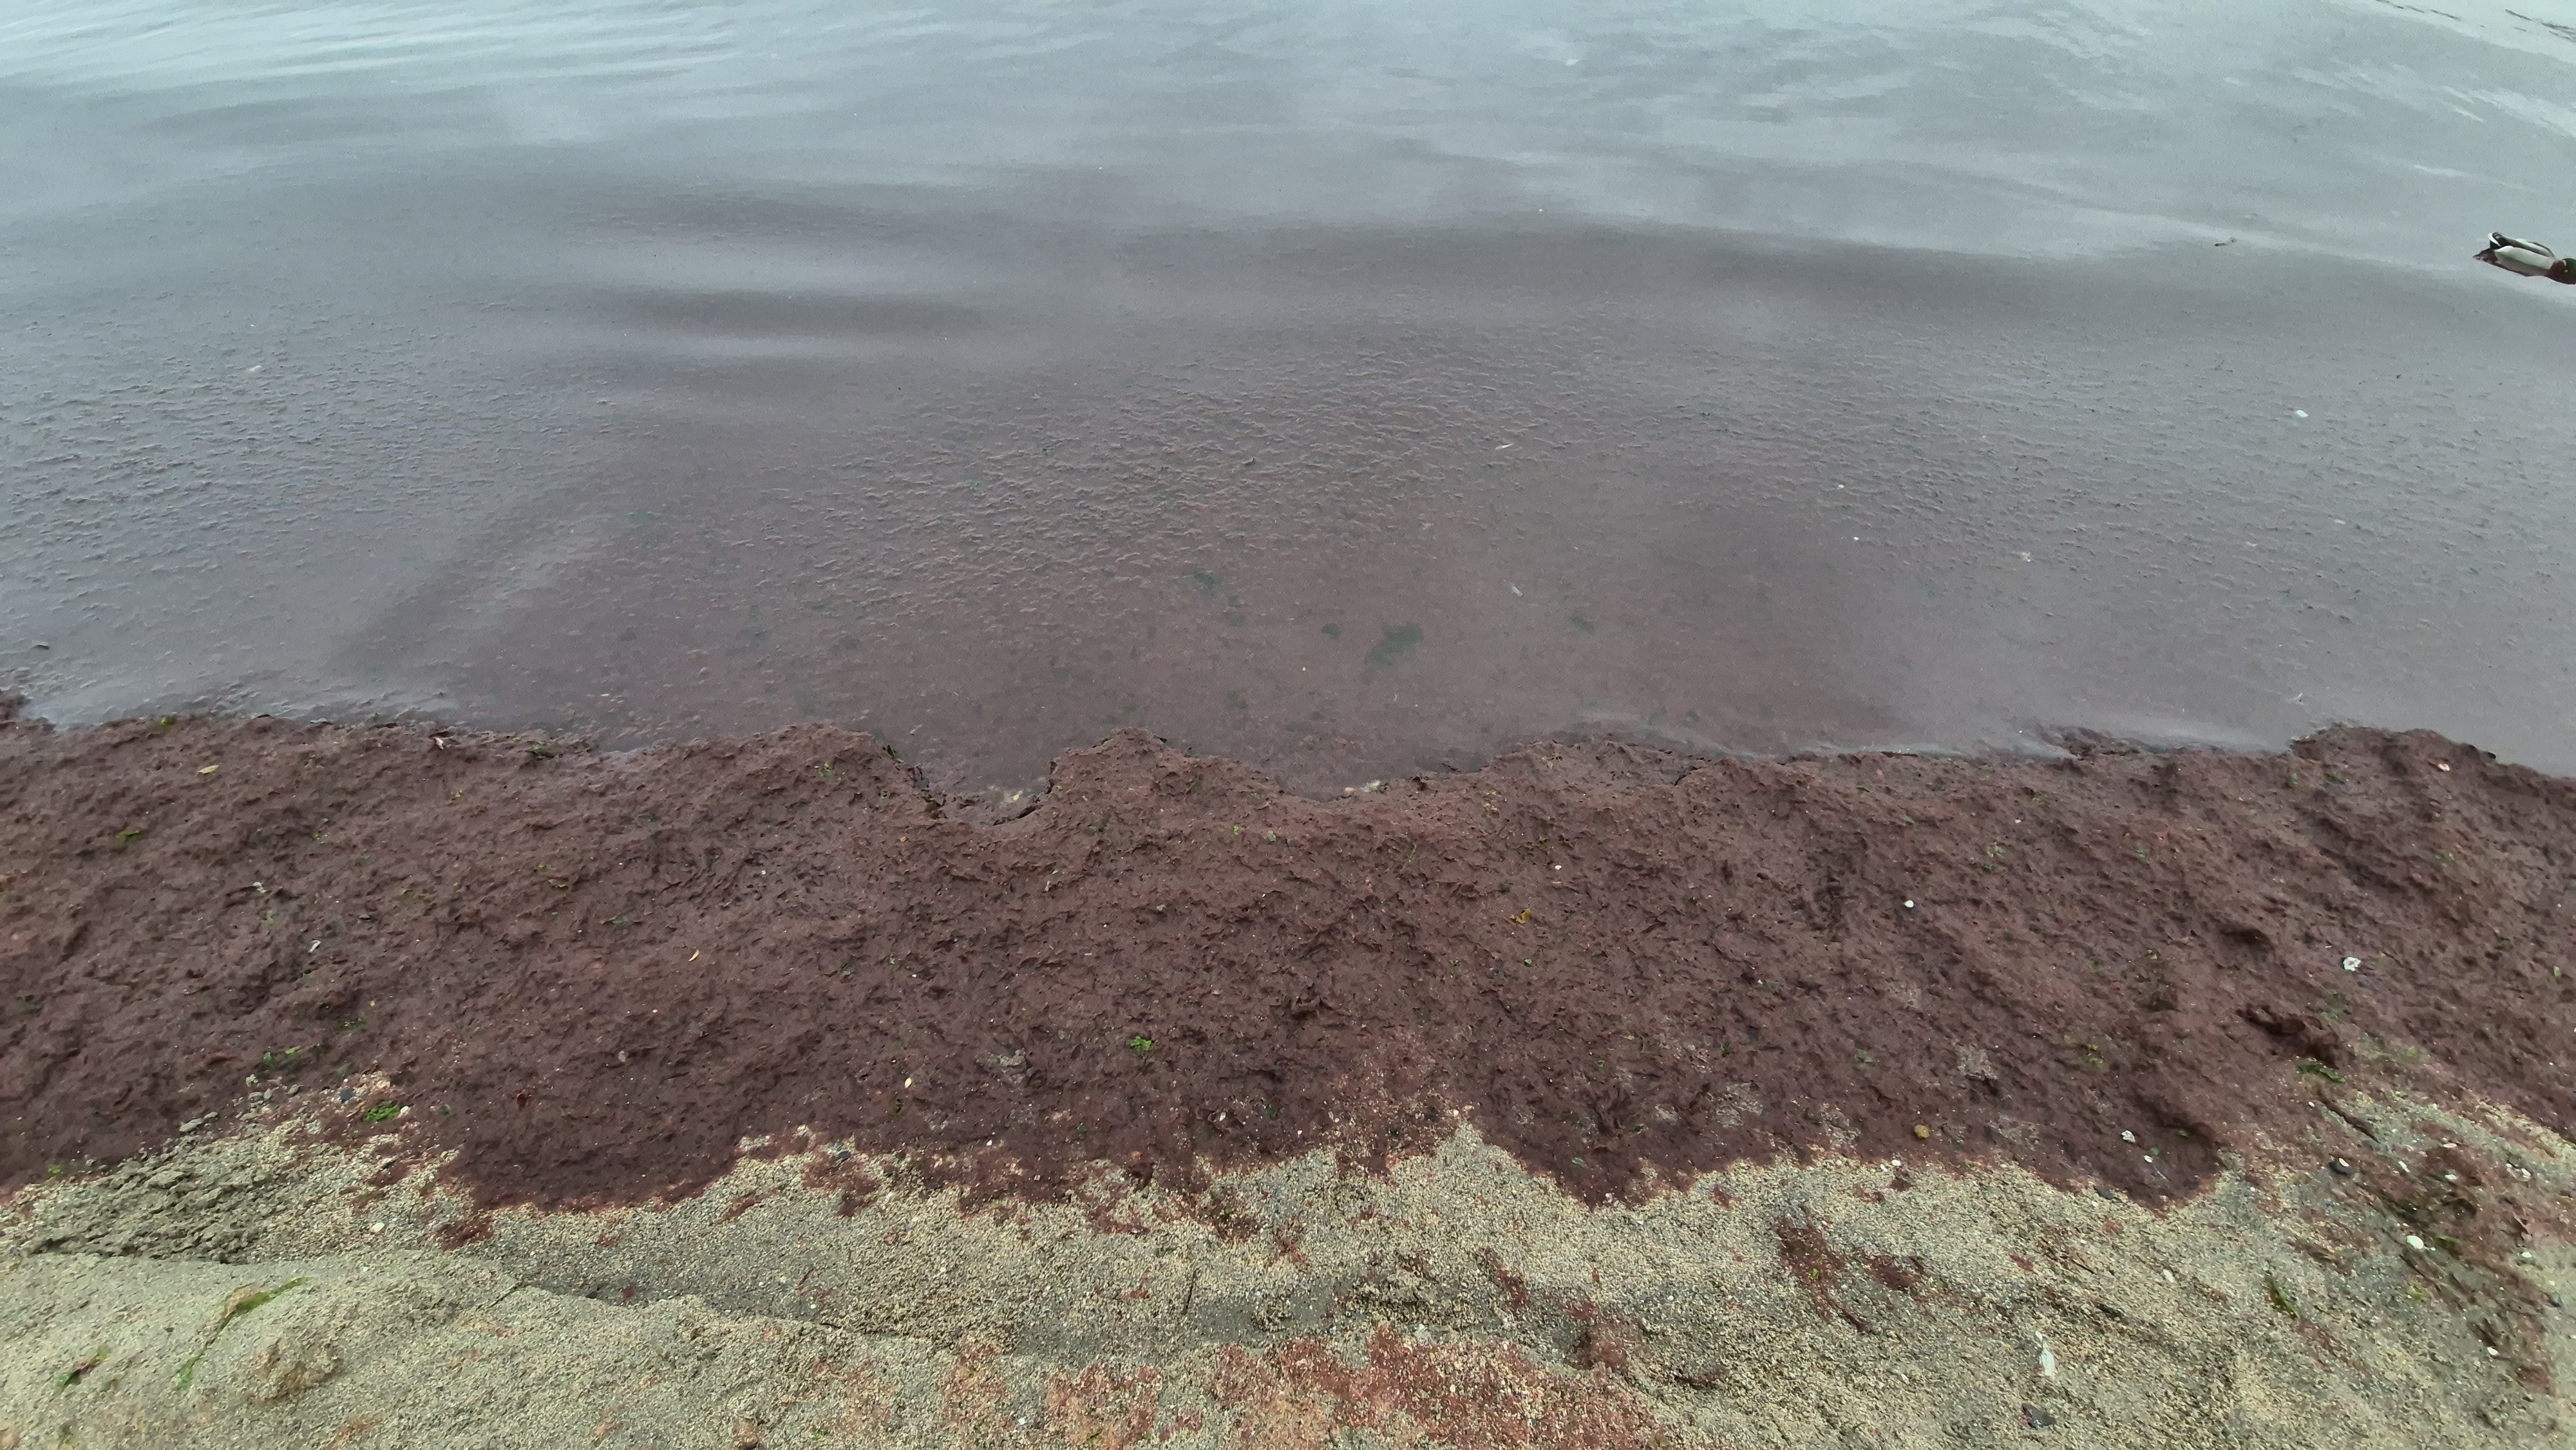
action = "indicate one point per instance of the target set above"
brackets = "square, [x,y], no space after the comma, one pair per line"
[514,982]
[264,1286]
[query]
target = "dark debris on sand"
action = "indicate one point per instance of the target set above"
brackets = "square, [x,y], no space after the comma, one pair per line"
[594,974]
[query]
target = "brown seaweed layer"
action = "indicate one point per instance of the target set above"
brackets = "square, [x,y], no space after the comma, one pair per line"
[594,974]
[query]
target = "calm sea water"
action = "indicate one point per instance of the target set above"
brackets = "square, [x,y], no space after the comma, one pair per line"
[1349,388]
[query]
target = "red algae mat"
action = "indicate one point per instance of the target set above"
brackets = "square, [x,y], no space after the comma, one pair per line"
[593,975]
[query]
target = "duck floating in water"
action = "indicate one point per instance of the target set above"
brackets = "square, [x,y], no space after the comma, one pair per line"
[2530,259]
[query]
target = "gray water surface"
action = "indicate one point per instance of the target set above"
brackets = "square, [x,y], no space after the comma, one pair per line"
[1346,388]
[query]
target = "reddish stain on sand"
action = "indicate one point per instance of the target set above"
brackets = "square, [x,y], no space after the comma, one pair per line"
[1467,1395]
